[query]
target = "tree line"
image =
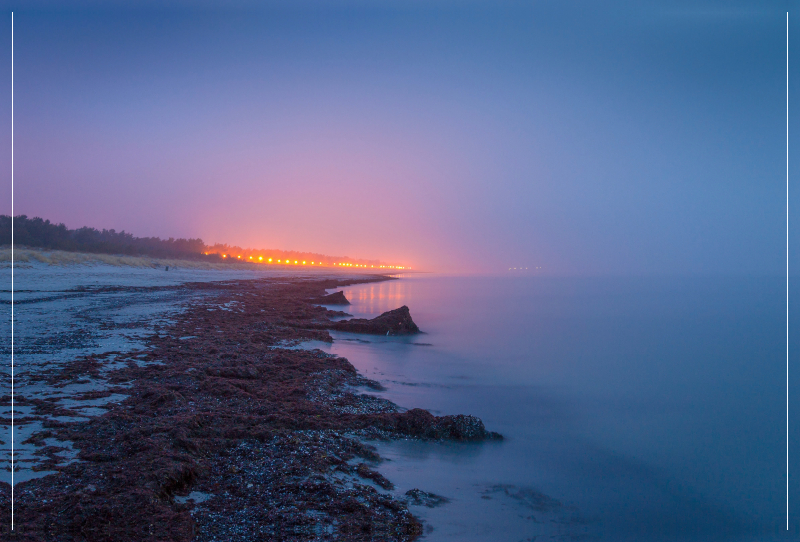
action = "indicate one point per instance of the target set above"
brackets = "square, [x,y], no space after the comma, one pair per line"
[39,233]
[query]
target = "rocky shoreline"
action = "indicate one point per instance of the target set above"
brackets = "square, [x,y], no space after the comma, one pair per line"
[229,432]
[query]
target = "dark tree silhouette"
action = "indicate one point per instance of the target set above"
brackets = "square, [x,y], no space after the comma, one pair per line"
[39,233]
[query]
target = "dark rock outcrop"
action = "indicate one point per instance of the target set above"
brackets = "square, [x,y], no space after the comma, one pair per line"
[365,472]
[396,322]
[423,498]
[422,424]
[336,298]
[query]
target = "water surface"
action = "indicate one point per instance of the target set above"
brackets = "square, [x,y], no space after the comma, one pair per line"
[632,408]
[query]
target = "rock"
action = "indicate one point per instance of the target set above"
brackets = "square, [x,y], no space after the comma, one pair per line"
[421,423]
[423,498]
[336,298]
[365,472]
[396,322]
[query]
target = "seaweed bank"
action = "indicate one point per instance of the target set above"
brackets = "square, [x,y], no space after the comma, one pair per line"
[227,429]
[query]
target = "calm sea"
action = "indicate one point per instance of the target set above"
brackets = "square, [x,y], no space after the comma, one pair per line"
[633,409]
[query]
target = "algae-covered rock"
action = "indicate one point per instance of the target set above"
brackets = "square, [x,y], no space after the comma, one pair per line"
[396,322]
[336,298]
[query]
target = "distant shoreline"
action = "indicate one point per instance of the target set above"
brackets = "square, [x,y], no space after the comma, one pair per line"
[25,256]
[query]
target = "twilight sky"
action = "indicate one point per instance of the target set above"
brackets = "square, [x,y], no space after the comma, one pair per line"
[646,137]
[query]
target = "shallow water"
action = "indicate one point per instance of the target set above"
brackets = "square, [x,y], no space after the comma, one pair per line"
[633,409]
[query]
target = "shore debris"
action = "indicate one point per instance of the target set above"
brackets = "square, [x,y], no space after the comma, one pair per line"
[231,435]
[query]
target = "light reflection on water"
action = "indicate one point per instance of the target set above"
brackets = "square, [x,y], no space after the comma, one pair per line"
[369,300]
[647,408]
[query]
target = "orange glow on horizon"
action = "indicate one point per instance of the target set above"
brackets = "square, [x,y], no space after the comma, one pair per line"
[246,255]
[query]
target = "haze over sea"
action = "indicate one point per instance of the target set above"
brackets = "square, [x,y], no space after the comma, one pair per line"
[633,409]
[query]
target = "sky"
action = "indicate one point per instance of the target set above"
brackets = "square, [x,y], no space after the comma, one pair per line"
[636,138]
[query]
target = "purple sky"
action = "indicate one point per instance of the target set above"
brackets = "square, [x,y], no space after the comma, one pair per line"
[471,137]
